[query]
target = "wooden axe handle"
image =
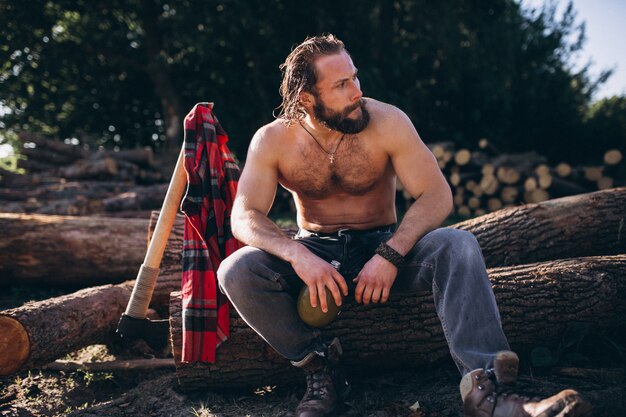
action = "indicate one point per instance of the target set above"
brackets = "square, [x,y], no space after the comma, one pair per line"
[149,271]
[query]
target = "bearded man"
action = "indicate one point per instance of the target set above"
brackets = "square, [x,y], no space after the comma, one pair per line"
[340,154]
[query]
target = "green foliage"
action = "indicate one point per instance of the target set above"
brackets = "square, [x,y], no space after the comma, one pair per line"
[605,125]
[125,73]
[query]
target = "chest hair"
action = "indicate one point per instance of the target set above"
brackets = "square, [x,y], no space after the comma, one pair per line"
[354,170]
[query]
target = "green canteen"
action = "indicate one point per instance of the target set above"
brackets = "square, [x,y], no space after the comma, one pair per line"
[315,316]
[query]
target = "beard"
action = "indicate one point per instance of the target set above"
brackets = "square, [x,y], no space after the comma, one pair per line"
[339,120]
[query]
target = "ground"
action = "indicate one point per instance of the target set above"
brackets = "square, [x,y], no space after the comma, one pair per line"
[432,391]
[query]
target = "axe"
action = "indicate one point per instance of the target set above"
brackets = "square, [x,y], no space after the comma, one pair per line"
[134,324]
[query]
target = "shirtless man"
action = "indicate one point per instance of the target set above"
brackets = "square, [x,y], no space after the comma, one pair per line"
[339,154]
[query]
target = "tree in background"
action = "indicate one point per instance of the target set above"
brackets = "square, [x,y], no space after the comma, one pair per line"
[124,74]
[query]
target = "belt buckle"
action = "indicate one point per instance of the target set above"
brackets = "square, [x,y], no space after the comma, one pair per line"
[343,232]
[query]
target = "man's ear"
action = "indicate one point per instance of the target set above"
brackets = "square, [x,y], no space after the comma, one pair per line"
[306,99]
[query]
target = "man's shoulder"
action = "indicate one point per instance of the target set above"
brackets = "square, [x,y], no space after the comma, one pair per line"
[385,115]
[275,130]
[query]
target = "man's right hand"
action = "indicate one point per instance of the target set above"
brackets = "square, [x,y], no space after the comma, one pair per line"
[318,274]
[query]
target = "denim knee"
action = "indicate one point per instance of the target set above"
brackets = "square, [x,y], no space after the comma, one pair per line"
[460,244]
[234,270]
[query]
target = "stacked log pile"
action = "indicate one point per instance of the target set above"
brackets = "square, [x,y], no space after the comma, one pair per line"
[483,181]
[65,179]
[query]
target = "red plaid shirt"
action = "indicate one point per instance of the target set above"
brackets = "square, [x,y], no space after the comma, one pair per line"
[212,176]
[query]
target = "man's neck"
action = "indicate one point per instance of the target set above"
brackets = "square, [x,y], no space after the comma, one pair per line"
[320,130]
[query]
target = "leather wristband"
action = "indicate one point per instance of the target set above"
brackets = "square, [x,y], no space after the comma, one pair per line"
[389,254]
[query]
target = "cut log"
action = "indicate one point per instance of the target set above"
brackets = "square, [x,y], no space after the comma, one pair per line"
[537,302]
[563,170]
[36,166]
[104,168]
[613,157]
[72,151]
[70,251]
[462,157]
[582,225]
[40,332]
[139,198]
[508,175]
[112,366]
[47,156]
[536,196]
[593,174]
[605,183]
[440,149]
[144,157]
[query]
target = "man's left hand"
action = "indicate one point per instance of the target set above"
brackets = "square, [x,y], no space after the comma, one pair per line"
[375,280]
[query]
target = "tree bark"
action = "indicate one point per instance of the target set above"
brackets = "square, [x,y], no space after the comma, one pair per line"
[139,198]
[40,332]
[537,302]
[581,225]
[104,168]
[71,251]
[56,146]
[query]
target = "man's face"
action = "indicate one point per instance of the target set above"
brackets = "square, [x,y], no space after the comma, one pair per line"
[341,120]
[338,102]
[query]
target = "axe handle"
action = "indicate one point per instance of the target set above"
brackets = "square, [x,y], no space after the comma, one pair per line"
[149,271]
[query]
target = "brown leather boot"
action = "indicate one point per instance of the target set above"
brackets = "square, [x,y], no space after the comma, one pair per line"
[326,387]
[482,398]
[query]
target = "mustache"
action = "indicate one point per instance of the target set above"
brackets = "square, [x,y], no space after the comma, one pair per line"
[358,105]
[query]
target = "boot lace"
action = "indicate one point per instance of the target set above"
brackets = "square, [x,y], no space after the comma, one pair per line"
[318,385]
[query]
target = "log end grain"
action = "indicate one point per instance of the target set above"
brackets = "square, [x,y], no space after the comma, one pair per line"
[14,345]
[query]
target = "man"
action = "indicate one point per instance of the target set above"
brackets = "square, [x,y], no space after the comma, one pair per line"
[339,154]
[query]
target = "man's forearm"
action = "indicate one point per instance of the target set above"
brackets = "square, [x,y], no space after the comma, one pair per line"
[255,229]
[425,214]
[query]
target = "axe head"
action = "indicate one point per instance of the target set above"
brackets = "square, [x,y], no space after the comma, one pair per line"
[154,332]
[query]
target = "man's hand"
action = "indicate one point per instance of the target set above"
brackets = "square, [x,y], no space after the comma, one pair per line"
[317,274]
[375,280]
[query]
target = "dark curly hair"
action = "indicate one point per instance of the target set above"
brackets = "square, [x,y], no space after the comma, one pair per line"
[299,73]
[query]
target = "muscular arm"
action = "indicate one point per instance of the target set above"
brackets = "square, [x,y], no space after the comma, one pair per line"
[417,170]
[255,194]
[420,175]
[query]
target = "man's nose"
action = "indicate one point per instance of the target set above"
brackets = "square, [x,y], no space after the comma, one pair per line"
[356,93]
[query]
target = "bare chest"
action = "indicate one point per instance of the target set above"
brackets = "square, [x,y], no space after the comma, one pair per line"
[356,169]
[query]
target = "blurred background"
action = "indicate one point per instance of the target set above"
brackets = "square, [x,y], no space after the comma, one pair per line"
[507,94]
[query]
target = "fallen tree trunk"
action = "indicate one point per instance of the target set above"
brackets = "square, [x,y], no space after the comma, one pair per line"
[40,332]
[582,225]
[112,366]
[537,302]
[139,198]
[71,251]
[105,168]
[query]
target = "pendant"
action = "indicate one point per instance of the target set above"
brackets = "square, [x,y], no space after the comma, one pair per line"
[332,159]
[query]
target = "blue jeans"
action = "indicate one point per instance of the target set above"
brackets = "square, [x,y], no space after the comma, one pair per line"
[448,262]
